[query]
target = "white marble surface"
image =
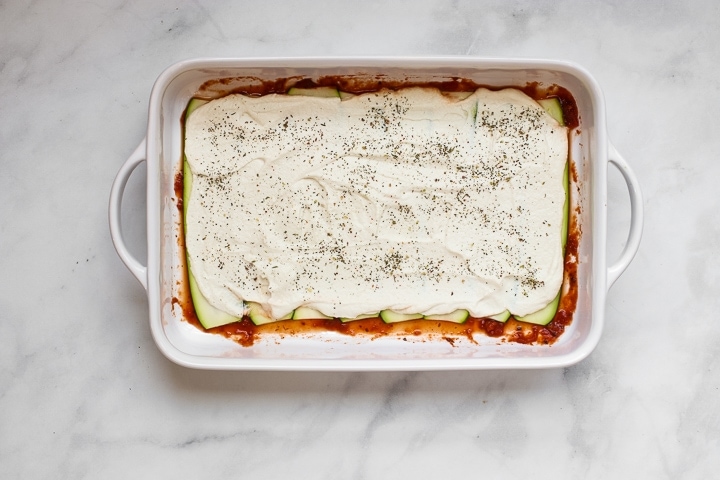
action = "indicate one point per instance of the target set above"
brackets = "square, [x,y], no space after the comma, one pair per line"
[84,392]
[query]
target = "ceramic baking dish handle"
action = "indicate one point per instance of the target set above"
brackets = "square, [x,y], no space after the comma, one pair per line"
[636,217]
[116,193]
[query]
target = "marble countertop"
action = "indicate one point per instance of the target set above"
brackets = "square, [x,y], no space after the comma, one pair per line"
[84,391]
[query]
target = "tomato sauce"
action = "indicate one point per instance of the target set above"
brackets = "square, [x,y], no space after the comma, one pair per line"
[357,84]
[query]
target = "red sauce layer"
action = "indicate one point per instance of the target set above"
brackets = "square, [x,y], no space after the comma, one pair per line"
[362,84]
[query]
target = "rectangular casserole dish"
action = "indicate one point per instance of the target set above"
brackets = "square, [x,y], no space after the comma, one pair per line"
[163,276]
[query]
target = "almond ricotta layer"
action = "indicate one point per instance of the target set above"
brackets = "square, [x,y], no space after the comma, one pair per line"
[409,200]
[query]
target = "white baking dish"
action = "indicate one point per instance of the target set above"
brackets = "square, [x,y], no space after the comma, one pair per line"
[188,346]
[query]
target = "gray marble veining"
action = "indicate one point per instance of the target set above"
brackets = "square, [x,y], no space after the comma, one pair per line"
[84,392]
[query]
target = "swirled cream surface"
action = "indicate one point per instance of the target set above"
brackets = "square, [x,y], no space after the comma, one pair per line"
[409,200]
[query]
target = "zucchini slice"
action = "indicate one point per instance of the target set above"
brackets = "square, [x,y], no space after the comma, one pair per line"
[208,315]
[389,316]
[554,108]
[544,316]
[501,317]
[324,92]
[193,104]
[307,313]
[458,316]
[259,316]
[360,317]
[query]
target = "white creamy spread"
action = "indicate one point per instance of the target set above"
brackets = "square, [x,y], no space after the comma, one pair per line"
[407,200]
